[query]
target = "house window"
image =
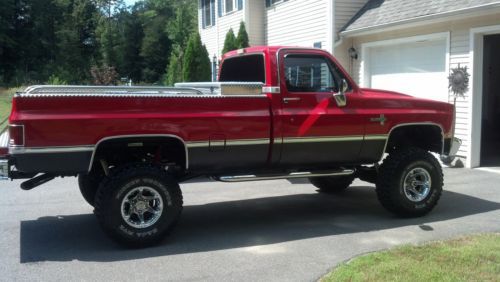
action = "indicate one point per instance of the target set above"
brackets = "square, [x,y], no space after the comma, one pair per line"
[229,5]
[269,3]
[208,12]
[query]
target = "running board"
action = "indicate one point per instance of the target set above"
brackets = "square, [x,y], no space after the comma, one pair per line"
[304,174]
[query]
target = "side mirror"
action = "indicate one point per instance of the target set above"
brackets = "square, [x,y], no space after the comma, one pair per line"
[340,97]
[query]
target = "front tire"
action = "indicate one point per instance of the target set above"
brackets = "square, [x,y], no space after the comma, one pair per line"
[410,182]
[332,184]
[138,205]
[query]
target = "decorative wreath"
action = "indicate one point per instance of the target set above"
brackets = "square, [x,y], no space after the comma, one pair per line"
[459,81]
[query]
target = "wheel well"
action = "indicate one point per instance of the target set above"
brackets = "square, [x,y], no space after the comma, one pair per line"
[165,151]
[427,137]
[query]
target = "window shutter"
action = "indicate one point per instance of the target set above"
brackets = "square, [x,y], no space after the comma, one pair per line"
[268,3]
[240,4]
[202,14]
[212,12]
[221,7]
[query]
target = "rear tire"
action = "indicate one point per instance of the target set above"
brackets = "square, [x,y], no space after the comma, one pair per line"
[410,182]
[138,205]
[332,184]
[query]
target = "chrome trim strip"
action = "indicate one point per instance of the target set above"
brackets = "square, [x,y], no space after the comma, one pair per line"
[47,150]
[264,141]
[135,136]
[376,137]
[271,89]
[294,140]
[233,142]
[245,178]
[4,170]
[289,140]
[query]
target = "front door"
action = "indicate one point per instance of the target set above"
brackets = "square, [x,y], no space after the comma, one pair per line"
[316,131]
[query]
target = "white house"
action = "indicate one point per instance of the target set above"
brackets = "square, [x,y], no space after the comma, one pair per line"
[275,22]
[402,45]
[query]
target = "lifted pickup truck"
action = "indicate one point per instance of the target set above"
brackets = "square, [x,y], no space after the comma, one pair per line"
[276,113]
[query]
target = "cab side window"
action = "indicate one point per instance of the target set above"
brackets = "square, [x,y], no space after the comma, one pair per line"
[309,73]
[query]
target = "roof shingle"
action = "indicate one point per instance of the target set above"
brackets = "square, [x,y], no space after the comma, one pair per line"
[381,12]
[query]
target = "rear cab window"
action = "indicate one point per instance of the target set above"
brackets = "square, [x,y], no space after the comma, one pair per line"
[246,68]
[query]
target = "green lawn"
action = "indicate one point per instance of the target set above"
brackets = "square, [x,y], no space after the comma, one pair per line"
[473,258]
[5,104]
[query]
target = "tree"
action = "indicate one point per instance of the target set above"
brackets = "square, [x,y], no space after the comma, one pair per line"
[230,42]
[174,68]
[196,63]
[242,38]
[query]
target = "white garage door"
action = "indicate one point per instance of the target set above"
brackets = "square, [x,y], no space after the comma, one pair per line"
[414,68]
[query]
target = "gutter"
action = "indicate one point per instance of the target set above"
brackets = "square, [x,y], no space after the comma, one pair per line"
[421,20]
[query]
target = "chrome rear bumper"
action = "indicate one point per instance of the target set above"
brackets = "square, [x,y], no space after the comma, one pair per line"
[4,169]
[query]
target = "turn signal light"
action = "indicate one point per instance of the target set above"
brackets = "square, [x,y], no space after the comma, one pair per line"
[16,135]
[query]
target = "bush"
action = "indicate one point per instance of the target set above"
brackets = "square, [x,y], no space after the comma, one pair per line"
[55,80]
[174,68]
[230,43]
[196,63]
[242,38]
[104,75]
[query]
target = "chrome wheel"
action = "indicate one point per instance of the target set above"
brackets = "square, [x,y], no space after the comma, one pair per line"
[417,184]
[141,207]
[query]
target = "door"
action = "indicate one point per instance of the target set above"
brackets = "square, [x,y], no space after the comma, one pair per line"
[490,120]
[416,68]
[316,131]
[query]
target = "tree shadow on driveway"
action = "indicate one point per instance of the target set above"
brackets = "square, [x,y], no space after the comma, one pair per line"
[235,224]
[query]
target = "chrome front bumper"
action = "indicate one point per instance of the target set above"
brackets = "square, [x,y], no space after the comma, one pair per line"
[455,145]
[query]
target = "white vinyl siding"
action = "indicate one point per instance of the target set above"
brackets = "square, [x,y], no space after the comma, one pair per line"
[255,21]
[459,54]
[226,22]
[344,11]
[298,23]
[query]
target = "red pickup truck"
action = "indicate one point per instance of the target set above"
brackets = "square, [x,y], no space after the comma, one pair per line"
[276,113]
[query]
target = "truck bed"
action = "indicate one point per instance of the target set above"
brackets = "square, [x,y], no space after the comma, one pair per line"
[70,121]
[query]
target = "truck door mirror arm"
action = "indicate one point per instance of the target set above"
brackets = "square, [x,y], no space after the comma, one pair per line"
[340,97]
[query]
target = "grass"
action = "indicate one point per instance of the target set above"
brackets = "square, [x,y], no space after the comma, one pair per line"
[5,104]
[472,258]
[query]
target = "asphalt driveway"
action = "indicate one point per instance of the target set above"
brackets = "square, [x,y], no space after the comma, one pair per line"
[259,231]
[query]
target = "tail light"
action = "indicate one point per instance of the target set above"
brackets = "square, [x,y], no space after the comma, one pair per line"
[16,135]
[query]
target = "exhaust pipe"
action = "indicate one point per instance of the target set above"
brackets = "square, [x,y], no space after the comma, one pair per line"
[37,181]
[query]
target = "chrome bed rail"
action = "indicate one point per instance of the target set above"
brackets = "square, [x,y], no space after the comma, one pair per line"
[106,90]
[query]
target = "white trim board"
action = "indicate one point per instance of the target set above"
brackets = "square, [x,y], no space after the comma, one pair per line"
[365,58]
[476,86]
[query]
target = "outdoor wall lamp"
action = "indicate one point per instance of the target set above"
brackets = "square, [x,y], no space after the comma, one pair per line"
[353,53]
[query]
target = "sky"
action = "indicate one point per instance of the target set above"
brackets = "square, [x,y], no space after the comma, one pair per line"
[130,2]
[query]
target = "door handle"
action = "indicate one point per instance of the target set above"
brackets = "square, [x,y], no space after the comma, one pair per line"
[286,100]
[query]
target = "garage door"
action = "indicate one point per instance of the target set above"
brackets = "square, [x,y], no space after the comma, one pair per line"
[415,68]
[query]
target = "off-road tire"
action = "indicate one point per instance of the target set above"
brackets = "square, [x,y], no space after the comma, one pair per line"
[112,191]
[390,183]
[332,184]
[88,184]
